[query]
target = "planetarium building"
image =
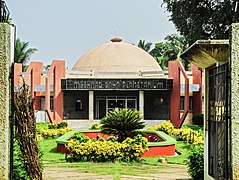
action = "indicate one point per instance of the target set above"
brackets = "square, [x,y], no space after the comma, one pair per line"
[113,75]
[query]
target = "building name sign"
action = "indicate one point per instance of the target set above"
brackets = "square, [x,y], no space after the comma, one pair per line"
[116,84]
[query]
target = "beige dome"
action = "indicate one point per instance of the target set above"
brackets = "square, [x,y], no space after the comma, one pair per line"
[116,56]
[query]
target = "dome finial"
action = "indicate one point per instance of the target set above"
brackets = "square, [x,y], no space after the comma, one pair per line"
[116,39]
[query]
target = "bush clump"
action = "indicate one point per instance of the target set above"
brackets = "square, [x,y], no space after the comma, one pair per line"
[80,137]
[54,133]
[107,150]
[198,119]
[61,125]
[95,127]
[184,134]
[195,162]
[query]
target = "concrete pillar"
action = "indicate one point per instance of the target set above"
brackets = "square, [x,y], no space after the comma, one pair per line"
[91,105]
[235,99]
[5,54]
[141,102]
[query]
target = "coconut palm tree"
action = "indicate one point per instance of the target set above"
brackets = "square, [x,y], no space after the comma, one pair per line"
[122,123]
[145,46]
[169,50]
[22,52]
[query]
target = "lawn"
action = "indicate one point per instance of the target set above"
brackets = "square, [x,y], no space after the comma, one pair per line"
[50,154]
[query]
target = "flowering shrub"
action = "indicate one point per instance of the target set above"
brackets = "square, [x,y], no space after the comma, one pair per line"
[184,133]
[106,150]
[53,133]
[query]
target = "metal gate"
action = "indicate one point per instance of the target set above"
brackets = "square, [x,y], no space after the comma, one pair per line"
[219,123]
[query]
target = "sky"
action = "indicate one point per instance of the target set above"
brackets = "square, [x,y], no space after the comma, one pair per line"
[67,29]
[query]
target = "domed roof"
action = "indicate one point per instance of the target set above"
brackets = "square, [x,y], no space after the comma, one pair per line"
[116,56]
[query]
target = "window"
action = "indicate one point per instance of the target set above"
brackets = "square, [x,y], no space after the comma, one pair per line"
[182,103]
[43,103]
[79,106]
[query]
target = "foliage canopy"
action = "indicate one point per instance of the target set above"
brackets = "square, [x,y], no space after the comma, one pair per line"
[22,52]
[201,19]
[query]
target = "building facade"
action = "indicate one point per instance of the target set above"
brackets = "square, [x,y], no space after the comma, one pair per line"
[114,75]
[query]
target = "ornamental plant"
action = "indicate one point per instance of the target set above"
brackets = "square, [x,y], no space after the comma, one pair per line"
[122,123]
[107,150]
[184,134]
[53,133]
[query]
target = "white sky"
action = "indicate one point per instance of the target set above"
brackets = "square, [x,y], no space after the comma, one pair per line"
[66,29]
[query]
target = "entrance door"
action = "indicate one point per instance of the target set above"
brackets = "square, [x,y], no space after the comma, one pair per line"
[109,103]
[114,104]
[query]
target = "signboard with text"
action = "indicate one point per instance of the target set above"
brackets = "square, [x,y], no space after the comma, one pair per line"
[116,84]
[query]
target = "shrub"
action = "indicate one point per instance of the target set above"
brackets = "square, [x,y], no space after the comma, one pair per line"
[53,133]
[19,171]
[95,127]
[52,126]
[122,123]
[80,137]
[184,134]
[165,126]
[198,119]
[62,125]
[112,139]
[102,151]
[41,125]
[196,162]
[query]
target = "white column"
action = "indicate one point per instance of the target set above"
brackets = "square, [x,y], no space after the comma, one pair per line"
[141,102]
[91,105]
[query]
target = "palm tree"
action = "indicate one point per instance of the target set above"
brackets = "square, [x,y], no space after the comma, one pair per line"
[122,123]
[22,52]
[145,46]
[169,50]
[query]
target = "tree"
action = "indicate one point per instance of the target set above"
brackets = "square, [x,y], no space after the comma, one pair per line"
[201,19]
[122,123]
[145,46]
[22,52]
[25,123]
[171,49]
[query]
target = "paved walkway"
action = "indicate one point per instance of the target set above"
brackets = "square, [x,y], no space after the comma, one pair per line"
[62,172]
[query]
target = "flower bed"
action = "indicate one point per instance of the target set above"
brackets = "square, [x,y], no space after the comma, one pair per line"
[164,147]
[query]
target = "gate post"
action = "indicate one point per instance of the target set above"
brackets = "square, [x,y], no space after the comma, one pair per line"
[235,98]
[5,52]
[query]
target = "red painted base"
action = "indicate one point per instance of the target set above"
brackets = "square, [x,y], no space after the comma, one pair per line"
[167,150]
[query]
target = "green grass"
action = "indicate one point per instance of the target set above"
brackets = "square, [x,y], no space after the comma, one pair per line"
[119,168]
[148,165]
[50,154]
[194,127]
